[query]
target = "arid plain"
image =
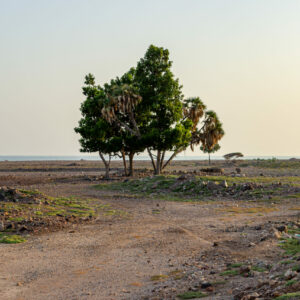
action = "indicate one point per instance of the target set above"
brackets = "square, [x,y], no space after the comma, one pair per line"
[224,231]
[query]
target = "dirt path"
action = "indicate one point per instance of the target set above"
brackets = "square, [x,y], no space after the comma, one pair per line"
[115,257]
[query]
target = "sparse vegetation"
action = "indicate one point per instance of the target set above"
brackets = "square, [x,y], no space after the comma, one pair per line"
[289,296]
[291,246]
[37,208]
[11,239]
[191,295]
[158,277]
[230,273]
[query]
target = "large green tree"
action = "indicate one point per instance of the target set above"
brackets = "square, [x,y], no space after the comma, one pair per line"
[145,109]
[161,109]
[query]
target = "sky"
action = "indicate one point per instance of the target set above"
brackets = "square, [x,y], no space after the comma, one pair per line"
[241,57]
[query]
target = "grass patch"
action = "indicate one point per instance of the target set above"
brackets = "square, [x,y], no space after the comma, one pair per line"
[191,295]
[72,208]
[258,269]
[219,282]
[296,268]
[274,163]
[249,210]
[16,219]
[176,274]
[194,188]
[158,277]
[230,273]
[286,262]
[11,239]
[289,296]
[291,246]
[291,282]
[235,265]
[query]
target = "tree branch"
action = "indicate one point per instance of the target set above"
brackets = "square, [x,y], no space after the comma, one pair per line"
[152,160]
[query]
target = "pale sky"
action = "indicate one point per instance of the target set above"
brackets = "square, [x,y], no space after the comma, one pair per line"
[242,57]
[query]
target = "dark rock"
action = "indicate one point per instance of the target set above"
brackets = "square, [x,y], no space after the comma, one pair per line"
[205,285]
[282,228]
[212,170]
[23,228]
[245,269]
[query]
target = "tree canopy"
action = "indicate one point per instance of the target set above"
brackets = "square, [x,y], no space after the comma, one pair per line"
[143,110]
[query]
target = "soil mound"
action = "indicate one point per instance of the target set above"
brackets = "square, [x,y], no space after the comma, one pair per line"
[21,196]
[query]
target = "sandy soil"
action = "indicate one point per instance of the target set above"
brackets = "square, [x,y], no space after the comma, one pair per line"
[114,257]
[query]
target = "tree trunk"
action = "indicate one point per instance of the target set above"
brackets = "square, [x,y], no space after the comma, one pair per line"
[124,162]
[106,164]
[131,155]
[162,160]
[152,160]
[158,166]
[172,157]
[209,158]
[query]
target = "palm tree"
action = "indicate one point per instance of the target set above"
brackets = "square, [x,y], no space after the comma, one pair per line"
[211,132]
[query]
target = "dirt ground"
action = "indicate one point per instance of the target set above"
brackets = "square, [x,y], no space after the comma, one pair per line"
[152,249]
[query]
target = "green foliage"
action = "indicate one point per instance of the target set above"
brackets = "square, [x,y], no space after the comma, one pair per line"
[97,135]
[230,273]
[161,108]
[291,282]
[289,296]
[11,239]
[191,295]
[214,149]
[235,265]
[144,109]
[291,246]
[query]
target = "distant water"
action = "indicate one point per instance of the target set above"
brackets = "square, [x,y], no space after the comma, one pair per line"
[138,157]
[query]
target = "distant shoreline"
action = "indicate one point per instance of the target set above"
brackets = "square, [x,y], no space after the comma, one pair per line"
[138,157]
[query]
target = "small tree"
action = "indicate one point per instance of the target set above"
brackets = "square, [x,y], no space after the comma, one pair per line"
[120,112]
[213,150]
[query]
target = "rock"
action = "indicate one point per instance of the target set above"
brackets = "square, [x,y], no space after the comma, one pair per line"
[205,285]
[276,294]
[277,234]
[209,289]
[224,184]
[23,228]
[252,296]
[212,185]
[282,228]
[289,274]
[251,244]
[2,227]
[245,269]
[247,186]
[182,177]
[212,170]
